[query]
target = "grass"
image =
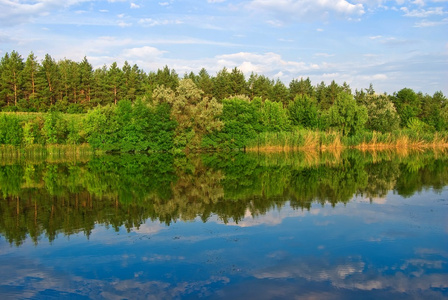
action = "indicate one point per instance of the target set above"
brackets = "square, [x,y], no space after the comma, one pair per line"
[307,140]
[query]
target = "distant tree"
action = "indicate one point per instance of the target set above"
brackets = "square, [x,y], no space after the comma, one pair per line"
[69,80]
[431,110]
[321,96]
[347,116]
[407,104]
[260,86]
[132,81]
[382,115]
[29,75]
[280,93]
[85,80]
[195,115]
[274,117]
[332,93]
[49,81]
[100,87]
[205,83]
[237,82]
[301,87]
[303,112]
[241,119]
[167,78]
[11,67]
[222,87]
[115,82]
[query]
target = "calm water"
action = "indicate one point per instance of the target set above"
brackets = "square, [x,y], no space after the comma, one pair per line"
[225,226]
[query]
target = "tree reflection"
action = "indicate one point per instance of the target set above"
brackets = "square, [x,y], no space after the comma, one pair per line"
[46,199]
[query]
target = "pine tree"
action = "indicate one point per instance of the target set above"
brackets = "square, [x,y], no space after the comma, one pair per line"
[11,69]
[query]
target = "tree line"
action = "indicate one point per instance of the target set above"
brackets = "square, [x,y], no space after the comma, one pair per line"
[124,108]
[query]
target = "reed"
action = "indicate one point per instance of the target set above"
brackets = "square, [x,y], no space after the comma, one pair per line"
[307,140]
[50,153]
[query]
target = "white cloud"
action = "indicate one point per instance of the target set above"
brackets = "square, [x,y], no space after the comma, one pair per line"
[215,1]
[142,52]
[306,9]
[133,5]
[423,13]
[324,55]
[426,23]
[17,12]
[152,22]
[419,2]
[267,63]
[275,23]
[123,24]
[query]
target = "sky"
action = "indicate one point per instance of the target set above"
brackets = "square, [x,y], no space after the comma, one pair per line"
[392,44]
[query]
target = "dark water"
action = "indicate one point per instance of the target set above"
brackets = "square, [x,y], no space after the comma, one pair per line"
[225,226]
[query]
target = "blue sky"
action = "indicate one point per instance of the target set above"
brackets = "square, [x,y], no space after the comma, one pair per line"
[390,43]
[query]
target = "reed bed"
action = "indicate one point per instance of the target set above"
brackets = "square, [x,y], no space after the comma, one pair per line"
[306,140]
[50,153]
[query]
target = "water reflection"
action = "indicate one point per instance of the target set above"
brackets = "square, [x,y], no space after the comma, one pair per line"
[125,190]
[348,225]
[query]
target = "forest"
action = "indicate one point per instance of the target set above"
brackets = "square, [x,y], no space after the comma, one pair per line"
[122,108]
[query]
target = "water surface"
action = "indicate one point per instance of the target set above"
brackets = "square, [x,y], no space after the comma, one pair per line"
[219,226]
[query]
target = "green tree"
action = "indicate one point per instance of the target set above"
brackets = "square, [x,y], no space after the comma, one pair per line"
[166,77]
[194,114]
[280,93]
[301,87]
[55,128]
[205,83]
[11,132]
[29,75]
[383,116]
[85,80]
[304,112]
[407,104]
[222,87]
[100,89]
[133,79]
[260,86]
[241,119]
[11,67]
[115,82]
[237,82]
[49,82]
[274,117]
[432,110]
[347,116]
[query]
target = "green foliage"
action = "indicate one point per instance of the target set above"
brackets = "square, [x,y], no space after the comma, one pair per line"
[129,128]
[407,104]
[301,87]
[303,112]
[42,199]
[196,116]
[161,128]
[55,128]
[419,126]
[347,116]
[383,116]
[100,127]
[191,113]
[11,132]
[274,117]
[241,123]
